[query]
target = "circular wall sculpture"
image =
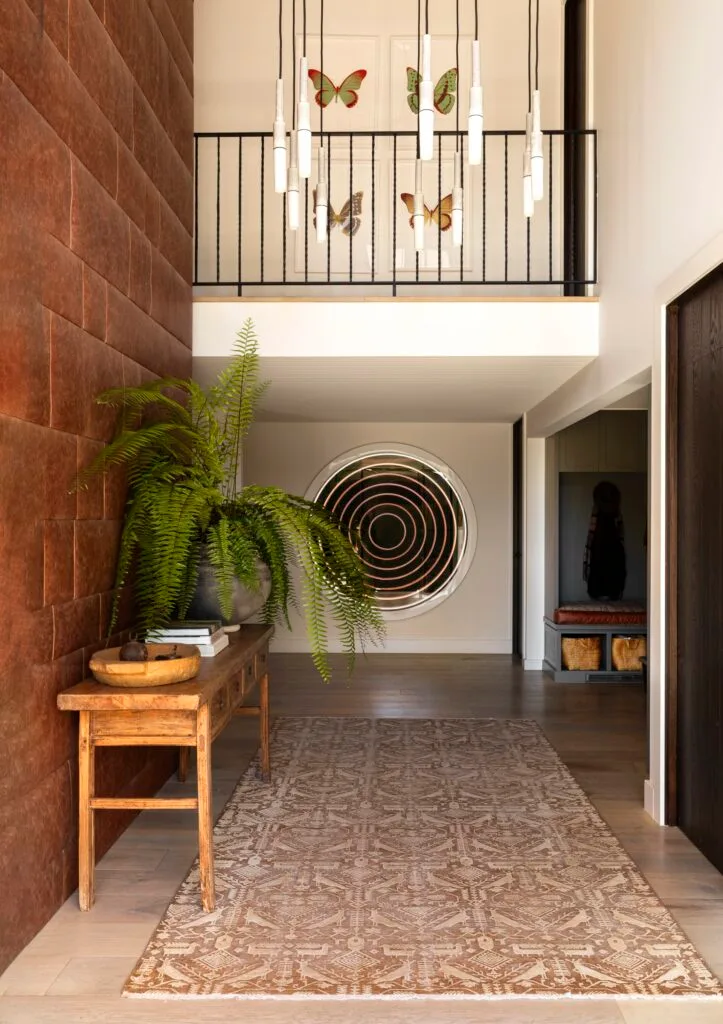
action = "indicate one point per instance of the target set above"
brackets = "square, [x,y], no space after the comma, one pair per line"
[410,518]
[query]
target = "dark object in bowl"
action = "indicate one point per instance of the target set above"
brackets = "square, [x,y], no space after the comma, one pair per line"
[134,650]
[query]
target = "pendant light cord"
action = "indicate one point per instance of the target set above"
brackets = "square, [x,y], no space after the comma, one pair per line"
[321,70]
[537,45]
[476,20]
[304,16]
[426,16]
[529,55]
[456,51]
[293,65]
[419,66]
[281,38]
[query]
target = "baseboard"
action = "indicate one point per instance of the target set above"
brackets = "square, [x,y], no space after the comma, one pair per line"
[421,645]
[649,803]
[533,664]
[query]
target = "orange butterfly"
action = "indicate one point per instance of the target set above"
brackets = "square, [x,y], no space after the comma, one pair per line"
[441,214]
[327,92]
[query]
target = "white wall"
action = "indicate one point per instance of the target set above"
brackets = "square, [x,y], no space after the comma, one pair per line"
[658,84]
[477,617]
[657,107]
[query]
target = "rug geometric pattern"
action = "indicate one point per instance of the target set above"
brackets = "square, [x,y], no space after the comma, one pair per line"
[417,858]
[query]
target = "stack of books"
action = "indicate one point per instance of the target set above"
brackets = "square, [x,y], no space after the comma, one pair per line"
[206,634]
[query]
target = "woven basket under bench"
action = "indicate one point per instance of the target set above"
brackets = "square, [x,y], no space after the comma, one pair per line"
[581,653]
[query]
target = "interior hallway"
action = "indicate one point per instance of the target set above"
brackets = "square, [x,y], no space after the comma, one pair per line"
[74,969]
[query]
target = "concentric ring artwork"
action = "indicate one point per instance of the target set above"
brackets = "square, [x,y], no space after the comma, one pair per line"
[410,519]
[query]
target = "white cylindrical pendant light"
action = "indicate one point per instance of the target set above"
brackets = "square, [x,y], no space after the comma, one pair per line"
[321,206]
[279,140]
[457,201]
[292,190]
[536,157]
[475,118]
[528,202]
[303,121]
[426,102]
[418,215]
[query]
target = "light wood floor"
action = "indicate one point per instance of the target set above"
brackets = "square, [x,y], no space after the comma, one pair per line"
[74,969]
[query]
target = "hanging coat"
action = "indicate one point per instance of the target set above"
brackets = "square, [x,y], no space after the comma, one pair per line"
[605,567]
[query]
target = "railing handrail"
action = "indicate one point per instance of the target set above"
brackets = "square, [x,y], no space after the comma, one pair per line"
[389,134]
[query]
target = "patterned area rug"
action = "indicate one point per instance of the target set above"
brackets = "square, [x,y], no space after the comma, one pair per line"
[408,858]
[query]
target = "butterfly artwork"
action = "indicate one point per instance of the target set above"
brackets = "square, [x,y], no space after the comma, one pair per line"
[347,92]
[444,91]
[348,218]
[440,215]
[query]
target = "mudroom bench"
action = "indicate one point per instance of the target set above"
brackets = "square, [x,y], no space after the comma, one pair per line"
[588,642]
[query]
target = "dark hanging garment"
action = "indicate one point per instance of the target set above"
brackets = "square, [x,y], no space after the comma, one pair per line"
[605,570]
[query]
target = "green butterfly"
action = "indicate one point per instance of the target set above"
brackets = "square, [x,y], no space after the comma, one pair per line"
[444,90]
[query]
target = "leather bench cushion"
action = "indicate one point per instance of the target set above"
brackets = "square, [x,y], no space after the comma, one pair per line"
[595,613]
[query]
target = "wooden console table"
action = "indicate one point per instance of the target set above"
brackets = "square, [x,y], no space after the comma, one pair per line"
[185,715]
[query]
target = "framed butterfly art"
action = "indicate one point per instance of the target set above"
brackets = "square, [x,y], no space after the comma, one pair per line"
[444,91]
[348,219]
[347,93]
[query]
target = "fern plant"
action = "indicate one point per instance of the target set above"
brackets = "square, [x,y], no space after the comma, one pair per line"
[182,446]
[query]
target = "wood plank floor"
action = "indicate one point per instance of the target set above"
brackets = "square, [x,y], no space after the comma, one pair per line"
[74,969]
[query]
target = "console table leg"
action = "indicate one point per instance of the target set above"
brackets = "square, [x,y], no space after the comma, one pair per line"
[183,753]
[86,792]
[264,728]
[205,809]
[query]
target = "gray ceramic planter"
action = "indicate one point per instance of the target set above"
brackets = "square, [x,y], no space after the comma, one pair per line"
[246,603]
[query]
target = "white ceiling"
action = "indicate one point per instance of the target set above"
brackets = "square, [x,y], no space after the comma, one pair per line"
[432,390]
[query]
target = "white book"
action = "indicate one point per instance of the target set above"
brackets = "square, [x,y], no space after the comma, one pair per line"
[211,650]
[168,636]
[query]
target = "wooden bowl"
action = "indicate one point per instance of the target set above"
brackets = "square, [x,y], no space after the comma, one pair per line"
[107,667]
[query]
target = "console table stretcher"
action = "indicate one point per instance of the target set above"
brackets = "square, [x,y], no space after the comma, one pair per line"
[183,715]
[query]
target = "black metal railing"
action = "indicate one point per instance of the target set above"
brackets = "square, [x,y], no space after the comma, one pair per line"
[243,244]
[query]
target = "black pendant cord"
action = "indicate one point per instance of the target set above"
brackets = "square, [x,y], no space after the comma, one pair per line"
[529,55]
[293,65]
[281,38]
[456,106]
[419,66]
[426,17]
[476,20]
[321,70]
[303,9]
[537,45]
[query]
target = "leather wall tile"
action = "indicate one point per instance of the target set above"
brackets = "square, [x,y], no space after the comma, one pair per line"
[58,560]
[100,232]
[55,20]
[182,11]
[170,304]
[132,186]
[75,624]
[62,280]
[96,550]
[99,66]
[176,243]
[140,290]
[59,459]
[174,40]
[91,500]
[94,303]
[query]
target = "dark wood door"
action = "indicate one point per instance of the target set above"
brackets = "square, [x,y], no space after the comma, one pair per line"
[696,559]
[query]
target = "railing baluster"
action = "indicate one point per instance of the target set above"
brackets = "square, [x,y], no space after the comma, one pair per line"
[374,141]
[484,207]
[394,220]
[218,209]
[283,236]
[461,247]
[595,210]
[262,212]
[195,212]
[351,193]
[549,208]
[507,204]
[439,206]
[328,225]
[306,231]
[240,210]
